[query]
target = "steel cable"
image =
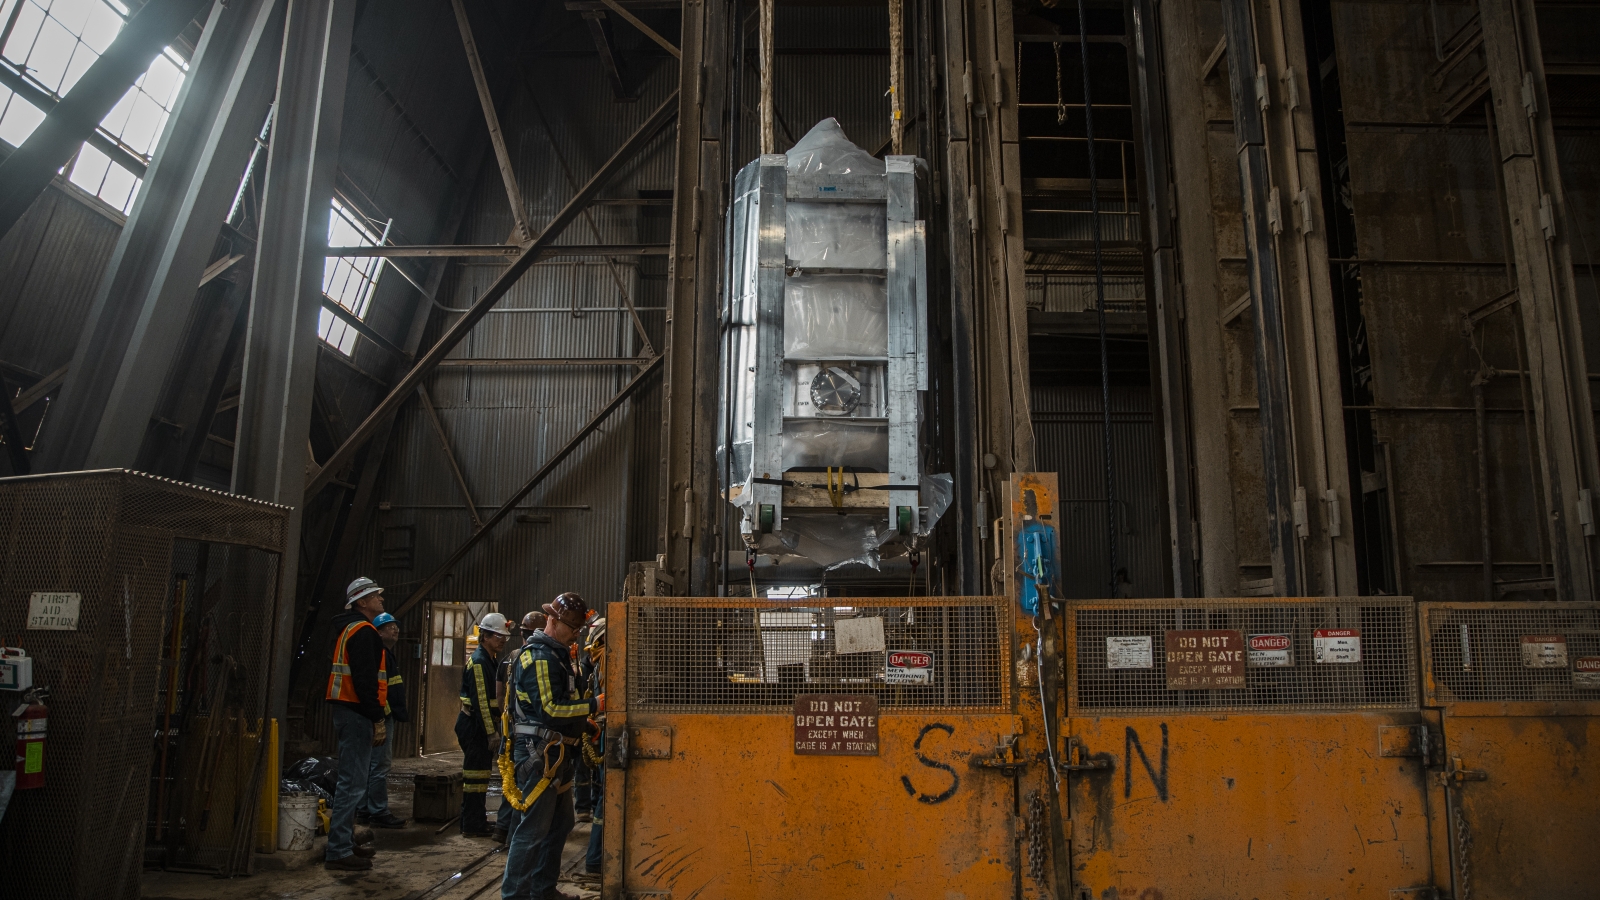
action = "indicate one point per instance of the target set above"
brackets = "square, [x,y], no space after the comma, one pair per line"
[1099,300]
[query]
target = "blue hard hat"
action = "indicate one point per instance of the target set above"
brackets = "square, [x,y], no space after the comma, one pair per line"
[381,619]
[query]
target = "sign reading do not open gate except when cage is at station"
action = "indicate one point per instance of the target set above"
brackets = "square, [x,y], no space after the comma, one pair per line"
[836,725]
[1204,659]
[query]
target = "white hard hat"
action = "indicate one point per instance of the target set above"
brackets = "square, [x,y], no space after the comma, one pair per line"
[496,623]
[359,588]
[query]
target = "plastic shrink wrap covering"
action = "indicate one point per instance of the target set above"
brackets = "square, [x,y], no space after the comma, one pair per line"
[831,320]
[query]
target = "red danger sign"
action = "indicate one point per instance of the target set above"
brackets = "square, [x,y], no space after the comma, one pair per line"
[1269,642]
[909,659]
[1587,664]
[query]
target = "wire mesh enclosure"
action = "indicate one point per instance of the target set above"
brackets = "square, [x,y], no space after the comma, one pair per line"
[753,656]
[1117,661]
[1508,652]
[130,545]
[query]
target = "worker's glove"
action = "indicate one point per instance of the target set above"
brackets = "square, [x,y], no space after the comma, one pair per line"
[380,733]
[600,703]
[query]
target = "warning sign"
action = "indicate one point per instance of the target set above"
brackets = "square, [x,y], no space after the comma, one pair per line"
[1336,645]
[1130,652]
[1586,672]
[1270,651]
[836,725]
[908,667]
[1544,651]
[1204,660]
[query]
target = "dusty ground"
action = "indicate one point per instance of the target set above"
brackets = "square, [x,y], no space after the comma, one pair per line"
[414,863]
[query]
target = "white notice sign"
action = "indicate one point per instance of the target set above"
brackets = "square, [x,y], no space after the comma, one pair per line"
[858,635]
[1269,650]
[1544,651]
[1337,645]
[53,611]
[1129,653]
[1586,672]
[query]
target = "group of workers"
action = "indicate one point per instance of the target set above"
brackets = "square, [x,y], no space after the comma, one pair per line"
[531,718]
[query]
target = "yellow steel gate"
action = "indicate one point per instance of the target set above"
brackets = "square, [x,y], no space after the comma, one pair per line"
[711,798]
[1285,777]
[1519,686]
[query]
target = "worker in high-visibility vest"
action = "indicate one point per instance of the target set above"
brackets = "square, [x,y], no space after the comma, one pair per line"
[375,809]
[358,692]
[477,726]
[549,710]
[505,820]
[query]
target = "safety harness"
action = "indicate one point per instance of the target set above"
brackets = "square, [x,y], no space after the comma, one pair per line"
[508,770]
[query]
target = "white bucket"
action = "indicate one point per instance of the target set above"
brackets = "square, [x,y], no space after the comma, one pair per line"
[297,821]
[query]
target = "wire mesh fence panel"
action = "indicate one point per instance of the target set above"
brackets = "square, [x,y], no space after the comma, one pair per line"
[1285,655]
[727,655]
[109,540]
[1510,652]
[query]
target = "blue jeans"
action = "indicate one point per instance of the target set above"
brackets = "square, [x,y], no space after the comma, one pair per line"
[377,803]
[354,734]
[533,855]
[597,831]
[506,818]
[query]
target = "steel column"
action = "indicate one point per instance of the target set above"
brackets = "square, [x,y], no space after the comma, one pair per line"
[689,525]
[1165,307]
[1272,366]
[1546,288]
[280,358]
[136,323]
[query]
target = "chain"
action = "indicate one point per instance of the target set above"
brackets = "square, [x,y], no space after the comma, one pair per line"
[1036,837]
[1463,849]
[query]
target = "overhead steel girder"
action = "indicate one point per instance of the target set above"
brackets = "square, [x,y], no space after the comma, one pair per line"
[511,502]
[475,313]
[135,327]
[280,354]
[25,173]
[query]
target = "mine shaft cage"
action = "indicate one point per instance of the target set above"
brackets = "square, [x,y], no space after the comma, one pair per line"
[123,542]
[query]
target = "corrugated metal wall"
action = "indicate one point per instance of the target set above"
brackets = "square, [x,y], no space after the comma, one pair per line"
[582,524]
[1069,440]
[50,267]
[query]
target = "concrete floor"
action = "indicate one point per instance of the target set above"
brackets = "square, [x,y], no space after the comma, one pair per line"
[413,863]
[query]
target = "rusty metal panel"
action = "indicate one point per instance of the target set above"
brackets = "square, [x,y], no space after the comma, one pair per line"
[1424,194]
[1523,809]
[1247,806]
[1521,737]
[923,815]
[1482,657]
[1384,677]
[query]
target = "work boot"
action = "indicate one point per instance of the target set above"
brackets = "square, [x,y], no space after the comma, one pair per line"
[362,818]
[362,836]
[365,852]
[388,820]
[584,817]
[477,832]
[501,835]
[349,864]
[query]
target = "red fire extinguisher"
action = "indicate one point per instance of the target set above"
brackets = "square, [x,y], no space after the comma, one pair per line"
[32,723]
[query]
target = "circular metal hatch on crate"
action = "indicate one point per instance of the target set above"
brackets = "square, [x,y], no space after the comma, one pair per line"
[835,392]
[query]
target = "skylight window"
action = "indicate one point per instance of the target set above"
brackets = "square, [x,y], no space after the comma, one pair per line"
[52,43]
[346,280]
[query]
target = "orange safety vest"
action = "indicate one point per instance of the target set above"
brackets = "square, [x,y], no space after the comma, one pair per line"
[339,685]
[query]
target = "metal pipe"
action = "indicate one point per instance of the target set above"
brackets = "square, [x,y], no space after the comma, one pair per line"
[1481,419]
